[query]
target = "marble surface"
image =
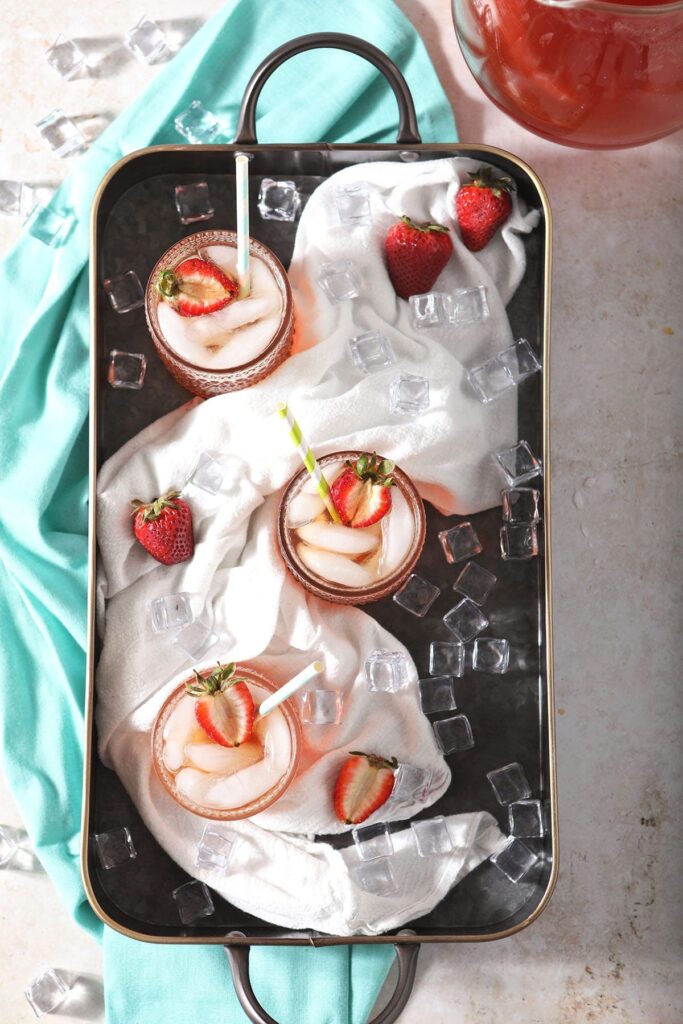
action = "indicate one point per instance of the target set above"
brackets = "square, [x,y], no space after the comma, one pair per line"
[608,946]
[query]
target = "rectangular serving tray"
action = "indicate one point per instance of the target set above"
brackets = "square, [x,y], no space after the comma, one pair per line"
[133,221]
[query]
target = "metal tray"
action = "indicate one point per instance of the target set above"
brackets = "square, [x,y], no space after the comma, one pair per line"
[133,221]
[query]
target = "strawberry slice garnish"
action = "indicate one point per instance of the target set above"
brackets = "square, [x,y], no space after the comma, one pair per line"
[362,494]
[225,707]
[164,527]
[364,783]
[196,287]
[416,255]
[482,206]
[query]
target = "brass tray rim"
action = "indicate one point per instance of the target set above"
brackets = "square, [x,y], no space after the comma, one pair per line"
[236,938]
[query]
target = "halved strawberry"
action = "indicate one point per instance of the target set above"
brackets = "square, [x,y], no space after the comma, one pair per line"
[225,708]
[364,783]
[197,286]
[362,494]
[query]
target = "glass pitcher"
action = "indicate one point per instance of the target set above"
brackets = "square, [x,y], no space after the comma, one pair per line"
[596,74]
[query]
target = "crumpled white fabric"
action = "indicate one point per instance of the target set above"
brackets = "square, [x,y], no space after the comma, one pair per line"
[238,580]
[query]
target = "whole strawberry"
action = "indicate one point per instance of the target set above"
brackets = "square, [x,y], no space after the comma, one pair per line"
[164,528]
[416,255]
[364,783]
[362,493]
[482,206]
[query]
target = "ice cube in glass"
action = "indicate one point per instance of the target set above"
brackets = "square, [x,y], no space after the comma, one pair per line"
[515,859]
[431,309]
[411,784]
[340,280]
[521,505]
[48,991]
[193,202]
[431,836]
[519,360]
[490,654]
[475,582]
[321,707]
[465,620]
[518,463]
[114,848]
[196,123]
[460,542]
[193,901]
[214,849]
[50,228]
[446,658]
[195,640]
[371,351]
[376,876]
[436,694]
[126,370]
[124,291]
[408,395]
[387,671]
[8,845]
[489,380]
[65,57]
[468,305]
[417,595]
[353,204]
[170,611]
[146,41]
[373,841]
[454,734]
[518,541]
[278,200]
[509,783]
[61,133]
[526,819]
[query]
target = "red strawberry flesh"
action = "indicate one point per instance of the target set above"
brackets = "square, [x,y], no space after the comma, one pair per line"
[224,706]
[416,254]
[362,493]
[364,783]
[197,287]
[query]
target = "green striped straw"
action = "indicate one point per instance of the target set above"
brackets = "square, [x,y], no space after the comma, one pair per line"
[308,459]
[242,185]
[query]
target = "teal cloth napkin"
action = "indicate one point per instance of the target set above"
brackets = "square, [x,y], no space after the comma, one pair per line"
[322,95]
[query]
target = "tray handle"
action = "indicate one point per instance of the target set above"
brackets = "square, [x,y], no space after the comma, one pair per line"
[406,955]
[407,124]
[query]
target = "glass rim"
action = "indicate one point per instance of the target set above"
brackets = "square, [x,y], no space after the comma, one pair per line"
[385,586]
[610,7]
[219,236]
[248,810]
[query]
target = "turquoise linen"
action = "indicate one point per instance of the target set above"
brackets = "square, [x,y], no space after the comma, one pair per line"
[327,95]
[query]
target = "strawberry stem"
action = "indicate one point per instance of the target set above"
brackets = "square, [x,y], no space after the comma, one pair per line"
[220,680]
[423,227]
[151,510]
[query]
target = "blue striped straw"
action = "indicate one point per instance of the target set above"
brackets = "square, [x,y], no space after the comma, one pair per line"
[242,182]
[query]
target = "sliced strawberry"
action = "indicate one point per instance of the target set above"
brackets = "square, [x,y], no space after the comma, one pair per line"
[225,708]
[197,286]
[362,493]
[364,783]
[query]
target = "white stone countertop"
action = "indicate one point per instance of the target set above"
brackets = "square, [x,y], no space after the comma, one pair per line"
[608,947]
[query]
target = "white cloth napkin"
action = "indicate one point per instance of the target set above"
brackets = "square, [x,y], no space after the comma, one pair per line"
[239,583]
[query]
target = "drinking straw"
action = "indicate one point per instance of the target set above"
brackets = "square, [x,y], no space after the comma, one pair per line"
[291,687]
[308,459]
[242,182]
